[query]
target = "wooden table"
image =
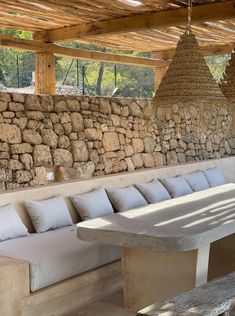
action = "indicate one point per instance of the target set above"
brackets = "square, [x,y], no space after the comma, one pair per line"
[166,246]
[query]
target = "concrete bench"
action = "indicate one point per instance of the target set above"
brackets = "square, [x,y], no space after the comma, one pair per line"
[214,298]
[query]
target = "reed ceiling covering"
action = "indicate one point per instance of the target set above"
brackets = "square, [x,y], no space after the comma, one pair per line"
[40,15]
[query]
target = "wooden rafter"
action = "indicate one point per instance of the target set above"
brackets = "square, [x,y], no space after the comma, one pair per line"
[155,20]
[34,46]
[160,58]
[206,50]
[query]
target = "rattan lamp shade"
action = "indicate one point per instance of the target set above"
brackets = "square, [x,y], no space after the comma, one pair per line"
[188,77]
[227,84]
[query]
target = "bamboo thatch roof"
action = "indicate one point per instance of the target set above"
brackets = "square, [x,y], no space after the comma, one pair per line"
[41,15]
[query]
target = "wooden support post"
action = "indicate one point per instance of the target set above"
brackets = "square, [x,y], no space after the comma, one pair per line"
[159,74]
[45,82]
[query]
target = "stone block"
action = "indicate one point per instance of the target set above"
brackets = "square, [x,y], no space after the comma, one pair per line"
[61,106]
[15,164]
[3,106]
[16,107]
[148,160]
[33,103]
[27,161]
[62,157]
[79,151]
[110,141]
[86,169]
[23,176]
[138,145]
[73,105]
[40,175]
[18,97]
[158,158]
[105,106]
[134,109]
[49,138]
[42,155]
[21,148]
[149,145]
[137,161]
[63,141]
[10,133]
[93,134]
[77,122]
[32,137]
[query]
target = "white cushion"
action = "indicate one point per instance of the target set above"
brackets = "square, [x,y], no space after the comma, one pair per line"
[49,214]
[153,192]
[176,186]
[214,177]
[57,255]
[126,198]
[197,181]
[11,225]
[92,204]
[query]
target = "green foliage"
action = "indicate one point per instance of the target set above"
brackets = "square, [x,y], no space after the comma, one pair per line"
[217,65]
[132,81]
[9,59]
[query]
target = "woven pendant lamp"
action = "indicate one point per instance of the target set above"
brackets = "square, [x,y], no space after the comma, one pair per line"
[188,77]
[227,84]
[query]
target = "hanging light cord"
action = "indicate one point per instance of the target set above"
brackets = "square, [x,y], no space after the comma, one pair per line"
[190,8]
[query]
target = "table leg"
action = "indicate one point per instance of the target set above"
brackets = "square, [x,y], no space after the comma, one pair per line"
[222,257]
[150,276]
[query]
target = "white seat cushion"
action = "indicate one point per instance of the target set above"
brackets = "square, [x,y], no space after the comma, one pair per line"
[57,255]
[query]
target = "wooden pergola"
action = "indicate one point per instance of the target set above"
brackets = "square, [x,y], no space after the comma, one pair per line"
[141,25]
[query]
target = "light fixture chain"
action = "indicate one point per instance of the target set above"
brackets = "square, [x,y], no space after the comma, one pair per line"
[190,8]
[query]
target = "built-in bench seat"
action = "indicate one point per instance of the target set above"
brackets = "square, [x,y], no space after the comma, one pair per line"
[214,298]
[57,255]
[60,270]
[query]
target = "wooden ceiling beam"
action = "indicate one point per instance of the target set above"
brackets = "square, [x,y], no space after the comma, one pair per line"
[206,50]
[202,13]
[33,46]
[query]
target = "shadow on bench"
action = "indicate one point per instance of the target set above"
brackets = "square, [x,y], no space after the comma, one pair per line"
[214,298]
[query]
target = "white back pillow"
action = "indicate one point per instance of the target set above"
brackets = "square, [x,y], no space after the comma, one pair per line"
[49,214]
[124,199]
[11,225]
[197,181]
[214,177]
[153,192]
[176,186]
[92,204]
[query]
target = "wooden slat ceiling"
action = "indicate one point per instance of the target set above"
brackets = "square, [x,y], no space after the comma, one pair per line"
[39,15]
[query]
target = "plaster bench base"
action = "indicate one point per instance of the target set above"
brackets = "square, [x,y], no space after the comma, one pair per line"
[150,276]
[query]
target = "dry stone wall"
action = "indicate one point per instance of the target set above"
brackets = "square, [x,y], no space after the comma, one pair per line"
[89,136]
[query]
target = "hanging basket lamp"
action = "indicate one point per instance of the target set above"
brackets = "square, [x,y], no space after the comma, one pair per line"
[188,78]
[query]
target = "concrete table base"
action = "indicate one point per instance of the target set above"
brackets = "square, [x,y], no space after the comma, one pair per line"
[150,276]
[222,257]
